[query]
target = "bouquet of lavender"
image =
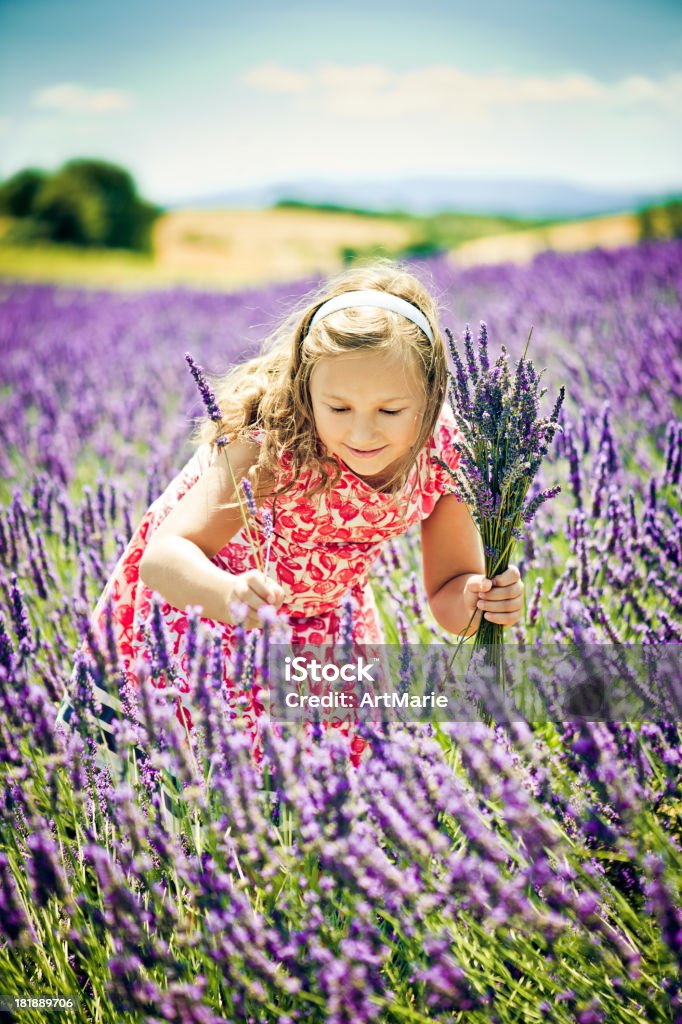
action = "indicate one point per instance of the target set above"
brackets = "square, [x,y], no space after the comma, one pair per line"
[503,440]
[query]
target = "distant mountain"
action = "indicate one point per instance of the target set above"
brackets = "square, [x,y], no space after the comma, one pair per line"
[424,195]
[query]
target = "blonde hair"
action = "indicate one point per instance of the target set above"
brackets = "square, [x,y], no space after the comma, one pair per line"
[271,390]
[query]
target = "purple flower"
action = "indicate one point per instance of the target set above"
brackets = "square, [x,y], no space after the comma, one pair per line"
[660,902]
[534,607]
[13,920]
[268,527]
[528,513]
[207,394]
[248,494]
[45,868]
[22,625]
[483,346]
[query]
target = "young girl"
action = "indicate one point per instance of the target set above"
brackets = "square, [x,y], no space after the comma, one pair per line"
[337,424]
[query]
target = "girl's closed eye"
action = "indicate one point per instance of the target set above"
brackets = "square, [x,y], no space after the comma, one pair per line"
[387,412]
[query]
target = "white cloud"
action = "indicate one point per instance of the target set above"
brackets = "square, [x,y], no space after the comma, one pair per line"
[372,90]
[664,92]
[271,78]
[70,97]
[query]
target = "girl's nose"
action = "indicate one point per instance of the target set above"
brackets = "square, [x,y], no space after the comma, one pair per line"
[365,426]
[364,438]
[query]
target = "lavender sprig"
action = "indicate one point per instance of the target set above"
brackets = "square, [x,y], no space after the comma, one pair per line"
[211,404]
[268,532]
[207,394]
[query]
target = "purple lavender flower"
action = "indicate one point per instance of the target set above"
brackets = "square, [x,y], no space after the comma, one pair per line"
[248,494]
[207,395]
[532,506]
[22,625]
[661,903]
[268,527]
[460,384]
[483,346]
[44,868]
[534,607]
[470,356]
[13,920]
[6,647]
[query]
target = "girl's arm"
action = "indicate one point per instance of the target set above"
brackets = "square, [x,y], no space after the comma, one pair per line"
[454,573]
[454,565]
[176,562]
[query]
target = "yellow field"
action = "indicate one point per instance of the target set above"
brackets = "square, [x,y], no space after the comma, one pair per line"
[231,249]
[521,246]
[243,246]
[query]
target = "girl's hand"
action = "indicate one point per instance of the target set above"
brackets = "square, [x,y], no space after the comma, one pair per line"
[499,600]
[253,589]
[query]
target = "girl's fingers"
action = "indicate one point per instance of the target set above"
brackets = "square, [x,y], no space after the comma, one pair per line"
[513,605]
[253,599]
[251,602]
[479,584]
[502,618]
[510,575]
[251,620]
[513,592]
[242,614]
[278,595]
[266,592]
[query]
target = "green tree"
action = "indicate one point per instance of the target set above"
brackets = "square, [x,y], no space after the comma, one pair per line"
[18,193]
[674,210]
[95,203]
[647,224]
[663,221]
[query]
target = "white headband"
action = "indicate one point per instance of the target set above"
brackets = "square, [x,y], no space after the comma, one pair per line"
[372,297]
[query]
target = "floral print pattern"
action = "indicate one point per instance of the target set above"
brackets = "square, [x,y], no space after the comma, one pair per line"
[323,548]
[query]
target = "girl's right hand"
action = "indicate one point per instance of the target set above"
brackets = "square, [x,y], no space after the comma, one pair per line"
[254,589]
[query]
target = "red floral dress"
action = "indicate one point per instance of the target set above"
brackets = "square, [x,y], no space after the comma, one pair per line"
[323,548]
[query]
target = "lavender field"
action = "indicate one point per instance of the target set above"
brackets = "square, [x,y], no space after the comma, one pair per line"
[470,872]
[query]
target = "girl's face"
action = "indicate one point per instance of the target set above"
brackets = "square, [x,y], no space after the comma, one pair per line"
[368,410]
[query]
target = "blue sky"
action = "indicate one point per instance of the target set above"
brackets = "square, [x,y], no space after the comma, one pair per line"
[198,97]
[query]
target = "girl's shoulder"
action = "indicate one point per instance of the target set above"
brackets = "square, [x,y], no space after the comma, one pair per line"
[282,474]
[208,455]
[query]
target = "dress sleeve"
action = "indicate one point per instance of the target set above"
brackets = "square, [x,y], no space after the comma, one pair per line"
[443,447]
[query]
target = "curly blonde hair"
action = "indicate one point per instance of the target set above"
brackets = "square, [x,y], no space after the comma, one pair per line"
[271,390]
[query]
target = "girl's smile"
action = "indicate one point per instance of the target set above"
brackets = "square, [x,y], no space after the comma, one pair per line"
[368,409]
[371,453]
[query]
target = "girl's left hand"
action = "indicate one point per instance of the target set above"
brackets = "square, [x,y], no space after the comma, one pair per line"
[503,603]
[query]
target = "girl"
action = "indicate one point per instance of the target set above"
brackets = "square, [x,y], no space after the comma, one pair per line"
[337,425]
